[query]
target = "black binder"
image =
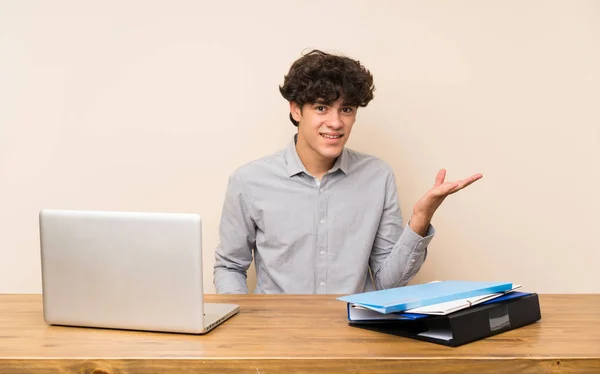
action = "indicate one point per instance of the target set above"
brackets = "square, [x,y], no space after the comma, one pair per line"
[466,325]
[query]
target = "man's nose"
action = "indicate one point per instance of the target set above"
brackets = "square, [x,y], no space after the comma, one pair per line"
[335,121]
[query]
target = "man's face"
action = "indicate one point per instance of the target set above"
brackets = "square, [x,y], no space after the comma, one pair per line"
[324,129]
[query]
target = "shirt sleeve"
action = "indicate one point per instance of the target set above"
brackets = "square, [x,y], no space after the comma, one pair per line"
[398,252]
[237,239]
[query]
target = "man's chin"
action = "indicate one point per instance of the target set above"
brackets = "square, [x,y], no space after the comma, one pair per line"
[332,153]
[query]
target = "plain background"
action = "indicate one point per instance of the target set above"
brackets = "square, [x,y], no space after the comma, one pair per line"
[149,106]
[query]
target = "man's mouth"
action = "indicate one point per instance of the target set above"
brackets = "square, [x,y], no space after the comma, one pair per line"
[329,136]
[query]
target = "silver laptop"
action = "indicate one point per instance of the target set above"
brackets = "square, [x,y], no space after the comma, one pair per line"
[126,270]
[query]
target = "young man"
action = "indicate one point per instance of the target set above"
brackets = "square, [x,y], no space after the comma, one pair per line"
[318,217]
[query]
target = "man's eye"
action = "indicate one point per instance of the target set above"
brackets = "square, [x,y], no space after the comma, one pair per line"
[347,110]
[320,108]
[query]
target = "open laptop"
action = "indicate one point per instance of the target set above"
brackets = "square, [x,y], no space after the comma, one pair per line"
[126,270]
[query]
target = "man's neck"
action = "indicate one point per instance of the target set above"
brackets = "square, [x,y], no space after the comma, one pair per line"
[314,163]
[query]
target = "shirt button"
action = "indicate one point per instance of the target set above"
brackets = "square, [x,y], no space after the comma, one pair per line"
[322,283]
[322,252]
[322,221]
[413,260]
[321,190]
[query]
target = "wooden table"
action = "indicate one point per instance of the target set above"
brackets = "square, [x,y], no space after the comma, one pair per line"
[291,333]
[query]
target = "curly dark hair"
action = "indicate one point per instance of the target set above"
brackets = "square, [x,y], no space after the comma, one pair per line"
[322,77]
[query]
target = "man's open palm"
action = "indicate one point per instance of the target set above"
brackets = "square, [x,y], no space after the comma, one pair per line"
[429,203]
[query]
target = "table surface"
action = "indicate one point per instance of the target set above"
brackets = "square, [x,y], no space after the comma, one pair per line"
[296,333]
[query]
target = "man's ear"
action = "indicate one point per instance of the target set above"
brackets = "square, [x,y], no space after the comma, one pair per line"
[296,111]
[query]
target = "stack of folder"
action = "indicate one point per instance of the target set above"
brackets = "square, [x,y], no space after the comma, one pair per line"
[450,313]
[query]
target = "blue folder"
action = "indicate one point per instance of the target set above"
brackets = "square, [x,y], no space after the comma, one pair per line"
[377,317]
[399,299]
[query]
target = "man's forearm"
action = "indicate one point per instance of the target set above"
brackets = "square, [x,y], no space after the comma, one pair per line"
[404,260]
[229,281]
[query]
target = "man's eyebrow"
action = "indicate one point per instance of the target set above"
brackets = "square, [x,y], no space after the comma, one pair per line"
[348,103]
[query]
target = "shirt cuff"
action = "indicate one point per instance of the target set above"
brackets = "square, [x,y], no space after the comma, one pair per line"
[419,242]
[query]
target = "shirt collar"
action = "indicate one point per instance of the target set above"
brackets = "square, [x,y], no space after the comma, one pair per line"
[342,162]
[293,163]
[295,166]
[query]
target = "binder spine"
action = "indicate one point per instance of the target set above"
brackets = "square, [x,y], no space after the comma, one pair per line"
[495,319]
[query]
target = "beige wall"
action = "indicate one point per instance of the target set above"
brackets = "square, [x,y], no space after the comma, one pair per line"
[122,105]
